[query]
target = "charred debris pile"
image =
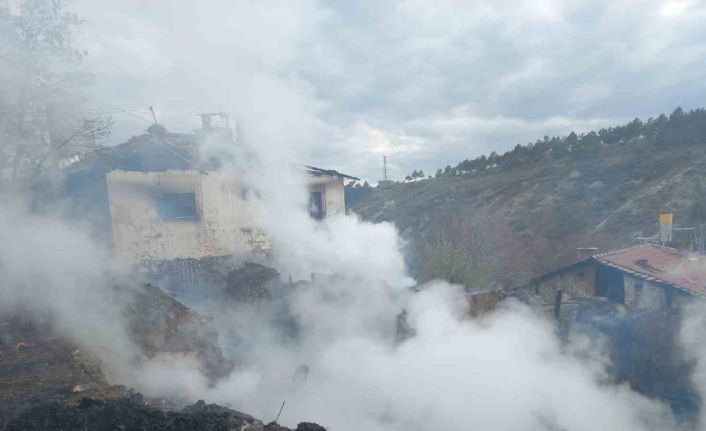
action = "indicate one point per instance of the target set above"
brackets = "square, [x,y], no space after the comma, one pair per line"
[48,382]
[133,413]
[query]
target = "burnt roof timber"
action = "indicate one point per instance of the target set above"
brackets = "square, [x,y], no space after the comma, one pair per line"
[330,172]
[178,146]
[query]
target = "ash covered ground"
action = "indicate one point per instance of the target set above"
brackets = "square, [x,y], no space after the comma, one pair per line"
[48,382]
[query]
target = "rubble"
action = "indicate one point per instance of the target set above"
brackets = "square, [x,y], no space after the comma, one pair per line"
[49,383]
[251,283]
[130,413]
[303,426]
[274,426]
[161,324]
[189,279]
[309,426]
[38,367]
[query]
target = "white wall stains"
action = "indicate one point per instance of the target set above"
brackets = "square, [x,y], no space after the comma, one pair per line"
[224,223]
[334,196]
[140,232]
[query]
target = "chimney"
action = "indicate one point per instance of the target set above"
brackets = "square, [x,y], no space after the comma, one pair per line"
[206,121]
[586,252]
[665,228]
[222,131]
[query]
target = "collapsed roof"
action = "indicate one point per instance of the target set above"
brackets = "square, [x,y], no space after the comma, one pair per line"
[148,152]
[317,172]
[158,152]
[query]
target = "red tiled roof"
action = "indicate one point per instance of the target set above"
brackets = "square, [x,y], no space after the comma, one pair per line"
[660,264]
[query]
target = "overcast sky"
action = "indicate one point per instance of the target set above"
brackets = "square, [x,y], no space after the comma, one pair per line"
[425,83]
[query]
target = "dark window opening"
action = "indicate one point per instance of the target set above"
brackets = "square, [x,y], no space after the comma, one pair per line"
[638,289]
[178,206]
[668,299]
[557,303]
[316,205]
[610,284]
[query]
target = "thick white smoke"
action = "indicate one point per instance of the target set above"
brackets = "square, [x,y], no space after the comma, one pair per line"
[505,371]
[51,268]
[693,338]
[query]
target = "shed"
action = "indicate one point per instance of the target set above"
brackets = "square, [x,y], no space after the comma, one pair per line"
[647,276]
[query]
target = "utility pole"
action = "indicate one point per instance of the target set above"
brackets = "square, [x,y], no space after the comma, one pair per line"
[384,167]
[153,115]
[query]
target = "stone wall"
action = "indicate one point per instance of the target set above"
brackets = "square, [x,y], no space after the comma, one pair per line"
[644,295]
[577,281]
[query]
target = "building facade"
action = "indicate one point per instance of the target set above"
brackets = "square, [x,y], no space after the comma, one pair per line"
[647,277]
[154,200]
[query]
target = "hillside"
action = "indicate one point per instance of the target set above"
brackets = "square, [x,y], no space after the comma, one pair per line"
[507,222]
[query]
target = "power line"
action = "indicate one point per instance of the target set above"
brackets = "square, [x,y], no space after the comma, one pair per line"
[122,110]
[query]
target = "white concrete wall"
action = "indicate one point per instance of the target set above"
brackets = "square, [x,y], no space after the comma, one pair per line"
[140,233]
[225,225]
[334,194]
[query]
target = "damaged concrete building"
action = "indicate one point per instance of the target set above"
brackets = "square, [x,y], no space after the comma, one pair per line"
[155,200]
[647,277]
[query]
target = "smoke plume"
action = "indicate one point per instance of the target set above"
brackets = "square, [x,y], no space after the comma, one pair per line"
[505,371]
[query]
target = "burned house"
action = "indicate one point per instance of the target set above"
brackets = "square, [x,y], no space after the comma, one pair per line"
[155,200]
[647,277]
[326,191]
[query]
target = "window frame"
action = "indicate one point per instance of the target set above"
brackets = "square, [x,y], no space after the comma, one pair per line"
[178,206]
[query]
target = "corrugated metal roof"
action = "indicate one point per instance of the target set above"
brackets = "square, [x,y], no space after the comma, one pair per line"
[660,264]
[313,170]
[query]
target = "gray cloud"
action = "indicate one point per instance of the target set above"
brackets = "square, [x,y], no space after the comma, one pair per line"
[425,83]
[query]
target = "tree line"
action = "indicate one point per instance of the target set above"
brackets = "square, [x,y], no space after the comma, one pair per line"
[43,111]
[680,128]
